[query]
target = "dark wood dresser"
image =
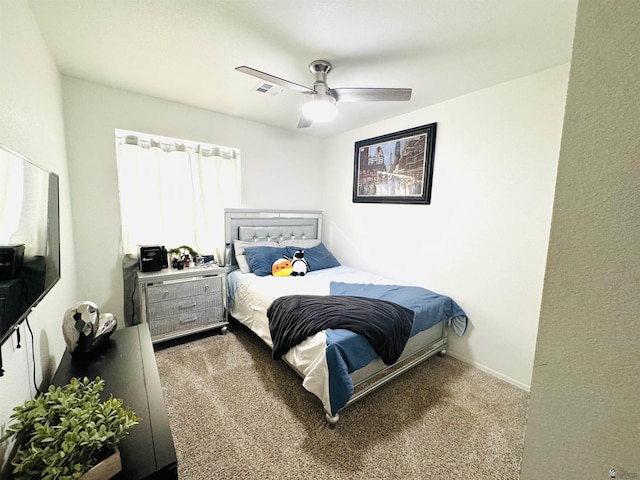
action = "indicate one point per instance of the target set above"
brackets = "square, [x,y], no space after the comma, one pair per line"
[127,363]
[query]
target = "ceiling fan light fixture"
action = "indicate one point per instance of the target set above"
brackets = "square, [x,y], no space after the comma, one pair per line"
[320,107]
[320,101]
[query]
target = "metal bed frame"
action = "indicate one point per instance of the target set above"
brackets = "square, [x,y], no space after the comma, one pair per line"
[247,224]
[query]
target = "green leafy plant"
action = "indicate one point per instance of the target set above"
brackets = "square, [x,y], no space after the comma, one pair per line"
[183,250]
[67,430]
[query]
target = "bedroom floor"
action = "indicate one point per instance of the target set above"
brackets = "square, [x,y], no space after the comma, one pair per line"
[236,413]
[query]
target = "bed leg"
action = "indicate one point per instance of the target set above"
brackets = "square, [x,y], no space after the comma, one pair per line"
[332,421]
[442,352]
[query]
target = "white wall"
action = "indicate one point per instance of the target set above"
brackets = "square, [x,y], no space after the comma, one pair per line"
[483,239]
[583,416]
[272,160]
[31,123]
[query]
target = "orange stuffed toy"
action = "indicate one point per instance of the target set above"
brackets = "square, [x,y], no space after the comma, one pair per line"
[281,268]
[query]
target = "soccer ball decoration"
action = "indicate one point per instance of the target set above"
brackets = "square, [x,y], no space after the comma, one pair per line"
[84,327]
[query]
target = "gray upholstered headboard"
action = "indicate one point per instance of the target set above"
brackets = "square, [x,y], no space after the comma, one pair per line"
[274,225]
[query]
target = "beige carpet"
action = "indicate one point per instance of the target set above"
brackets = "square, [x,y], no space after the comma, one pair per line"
[237,414]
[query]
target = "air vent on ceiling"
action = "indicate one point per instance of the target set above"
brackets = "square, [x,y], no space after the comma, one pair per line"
[269,89]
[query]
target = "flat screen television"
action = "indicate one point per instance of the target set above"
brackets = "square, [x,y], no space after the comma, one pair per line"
[29,238]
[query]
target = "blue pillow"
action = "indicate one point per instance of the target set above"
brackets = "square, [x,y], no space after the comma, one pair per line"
[261,259]
[318,257]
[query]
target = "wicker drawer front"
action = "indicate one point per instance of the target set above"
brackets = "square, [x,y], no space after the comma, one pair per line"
[170,291]
[185,321]
[183,305]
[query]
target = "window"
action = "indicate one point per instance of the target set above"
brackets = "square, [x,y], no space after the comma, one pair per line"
[174,192]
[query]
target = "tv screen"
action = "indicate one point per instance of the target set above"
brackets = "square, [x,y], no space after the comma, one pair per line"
[29,237]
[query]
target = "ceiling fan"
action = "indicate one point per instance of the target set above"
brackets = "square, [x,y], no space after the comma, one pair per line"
[320,104]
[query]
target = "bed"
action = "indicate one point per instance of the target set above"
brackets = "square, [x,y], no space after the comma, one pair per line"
[338,364]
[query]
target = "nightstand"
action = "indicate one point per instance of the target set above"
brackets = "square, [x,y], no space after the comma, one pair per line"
[180,302]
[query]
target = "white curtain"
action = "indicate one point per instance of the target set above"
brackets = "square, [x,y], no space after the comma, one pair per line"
[174,192]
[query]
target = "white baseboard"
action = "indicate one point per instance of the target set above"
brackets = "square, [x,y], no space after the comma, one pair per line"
[516,383]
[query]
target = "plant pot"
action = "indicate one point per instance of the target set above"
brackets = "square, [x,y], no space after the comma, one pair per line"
[105,469]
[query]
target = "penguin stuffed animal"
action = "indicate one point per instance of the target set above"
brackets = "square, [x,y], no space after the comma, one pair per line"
[299,265]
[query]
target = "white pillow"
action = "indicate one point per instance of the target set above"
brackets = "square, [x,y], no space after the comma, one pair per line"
[301,242]
[240,245]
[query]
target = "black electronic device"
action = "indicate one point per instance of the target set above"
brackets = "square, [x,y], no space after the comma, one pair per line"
[29,238]
[165,258]
[11,259]
[152,258]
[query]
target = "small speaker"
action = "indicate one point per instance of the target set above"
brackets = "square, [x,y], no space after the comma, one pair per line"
[11,258]
[151,258]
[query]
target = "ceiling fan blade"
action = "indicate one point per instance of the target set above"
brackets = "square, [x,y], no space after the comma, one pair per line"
[371,94]
[273,79]
[304,122]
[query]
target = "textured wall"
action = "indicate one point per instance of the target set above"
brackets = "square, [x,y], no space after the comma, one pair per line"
[583,416]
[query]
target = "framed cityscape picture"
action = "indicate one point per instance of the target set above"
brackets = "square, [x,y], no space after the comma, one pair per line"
[395,168]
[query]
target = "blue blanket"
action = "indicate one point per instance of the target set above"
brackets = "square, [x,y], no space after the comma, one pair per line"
[347,351]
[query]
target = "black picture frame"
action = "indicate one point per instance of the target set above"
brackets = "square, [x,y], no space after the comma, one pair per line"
[395,168]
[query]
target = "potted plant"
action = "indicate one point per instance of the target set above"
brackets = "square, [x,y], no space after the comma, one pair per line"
[184,254]
[65,431]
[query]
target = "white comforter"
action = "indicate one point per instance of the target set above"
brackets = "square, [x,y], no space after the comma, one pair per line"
[249,297]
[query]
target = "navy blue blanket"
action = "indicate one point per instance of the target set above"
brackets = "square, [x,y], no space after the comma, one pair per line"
[386,325]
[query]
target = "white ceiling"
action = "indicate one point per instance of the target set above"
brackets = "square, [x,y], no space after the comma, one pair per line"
[186,50]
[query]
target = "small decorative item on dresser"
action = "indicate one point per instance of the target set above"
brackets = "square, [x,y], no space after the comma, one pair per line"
[177,264]
[67,430]
[184,254]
